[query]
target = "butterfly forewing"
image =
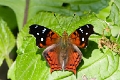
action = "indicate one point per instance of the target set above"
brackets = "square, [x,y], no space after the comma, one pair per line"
[44,36]
[80,36]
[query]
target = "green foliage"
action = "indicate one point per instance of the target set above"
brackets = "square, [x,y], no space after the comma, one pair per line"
[18,7]
[66,7]
[29,63]
[99,64]
[7,42]
[4,11]
[114,14]
[11,71]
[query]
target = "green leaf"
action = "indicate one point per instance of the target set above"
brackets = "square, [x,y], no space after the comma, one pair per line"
[27,62]
[18,7]
[117,2]
[114,16]
[66,7]
[104,13]
[69,7]
[115,30]
[11,72]
[7,18]
[30,63]
[7,42]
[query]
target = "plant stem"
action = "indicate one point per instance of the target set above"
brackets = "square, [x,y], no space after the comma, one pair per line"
[26,12]
[8,61]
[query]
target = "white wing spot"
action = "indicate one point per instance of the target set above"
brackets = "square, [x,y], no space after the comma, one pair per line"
[82,39]
[37,33]
[43,30]
[87,26]
[81,30]
[41,39]
[86,33]
[36,26]
[85,46]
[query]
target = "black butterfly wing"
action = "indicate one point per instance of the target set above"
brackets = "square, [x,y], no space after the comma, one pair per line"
[80,36]
[44,36]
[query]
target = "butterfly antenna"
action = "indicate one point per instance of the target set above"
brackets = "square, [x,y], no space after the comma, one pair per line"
[71,20]
[57,20]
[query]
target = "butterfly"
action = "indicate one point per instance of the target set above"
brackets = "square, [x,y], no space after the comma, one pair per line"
[62,52]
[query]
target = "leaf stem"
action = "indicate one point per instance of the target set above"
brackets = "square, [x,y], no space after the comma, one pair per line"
[26,12]
[8,60]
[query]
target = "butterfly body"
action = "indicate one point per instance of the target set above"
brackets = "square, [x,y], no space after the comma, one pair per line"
[62,52]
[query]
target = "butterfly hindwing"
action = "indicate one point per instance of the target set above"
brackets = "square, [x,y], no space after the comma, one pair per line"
[44,36]
[80,36]
[59,59]
[51,54]
[74,58]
